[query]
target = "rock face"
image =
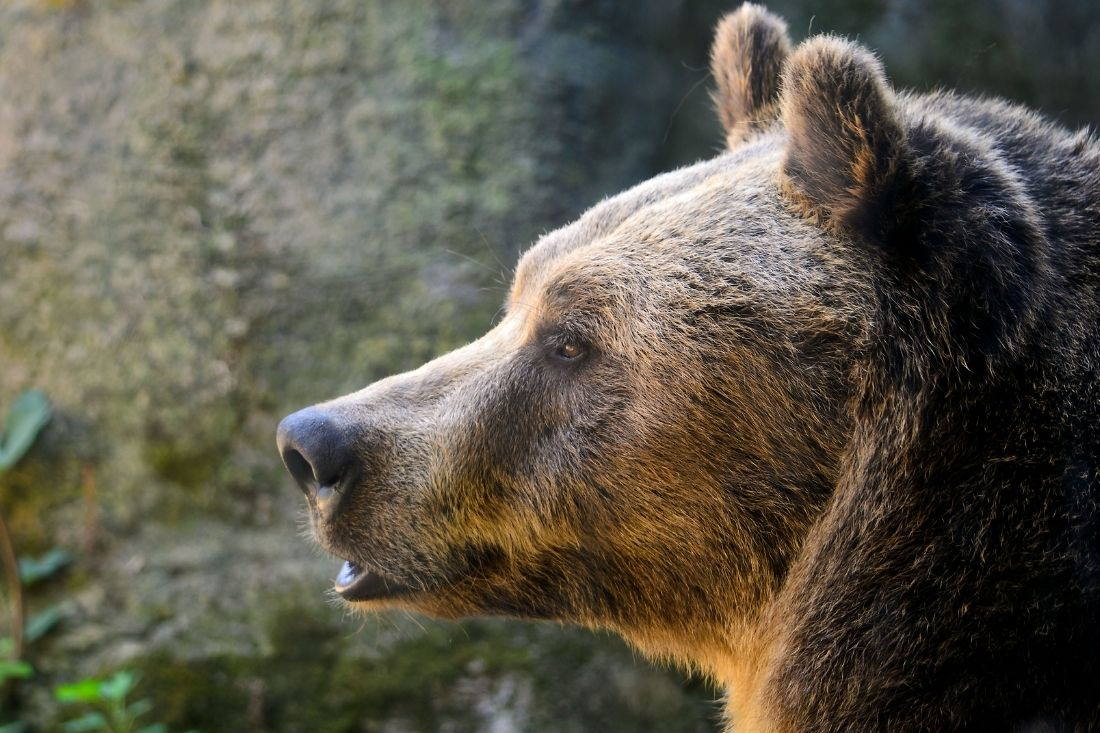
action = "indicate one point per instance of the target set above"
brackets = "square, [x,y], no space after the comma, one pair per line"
[214,211]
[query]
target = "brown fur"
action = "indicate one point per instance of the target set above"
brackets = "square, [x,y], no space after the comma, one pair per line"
[846,146]
[831,436]
[750,46]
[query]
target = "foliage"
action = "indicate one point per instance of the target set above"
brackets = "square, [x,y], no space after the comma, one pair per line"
[34,569]
[28,415]
[109,711]
[14,669]
[43,623]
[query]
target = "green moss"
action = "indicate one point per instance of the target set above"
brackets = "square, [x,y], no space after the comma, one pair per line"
[308,199]
[203,694]
[45,488]
[431,682]
[190,457]
[315,673]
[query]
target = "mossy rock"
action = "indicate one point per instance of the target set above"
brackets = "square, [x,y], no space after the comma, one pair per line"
[461,678]
[235,629]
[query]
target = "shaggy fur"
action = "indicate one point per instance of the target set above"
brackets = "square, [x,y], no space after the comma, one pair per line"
[750,46]
[817,417]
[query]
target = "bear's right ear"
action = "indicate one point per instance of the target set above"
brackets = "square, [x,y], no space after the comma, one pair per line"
[847,155]
[750,46]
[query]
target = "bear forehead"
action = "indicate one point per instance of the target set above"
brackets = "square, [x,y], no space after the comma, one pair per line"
[725,214]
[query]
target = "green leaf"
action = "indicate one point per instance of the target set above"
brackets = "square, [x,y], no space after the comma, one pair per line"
[90,721]
[28,415]
[118,686]
[82,691]
[139,708]
[12,668]
[41,623]
[32,570]
[154,728]
[7,646]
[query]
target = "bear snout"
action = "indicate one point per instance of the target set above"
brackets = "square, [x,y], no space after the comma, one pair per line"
[320,457]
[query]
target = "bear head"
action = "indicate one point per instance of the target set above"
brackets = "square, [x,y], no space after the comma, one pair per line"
[644,439]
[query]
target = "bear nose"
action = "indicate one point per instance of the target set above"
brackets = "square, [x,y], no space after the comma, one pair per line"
[316,452]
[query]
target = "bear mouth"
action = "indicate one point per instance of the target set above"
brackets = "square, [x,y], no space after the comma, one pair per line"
[358,583]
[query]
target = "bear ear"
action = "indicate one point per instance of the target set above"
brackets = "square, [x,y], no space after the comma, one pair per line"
[750,46]
[847,152]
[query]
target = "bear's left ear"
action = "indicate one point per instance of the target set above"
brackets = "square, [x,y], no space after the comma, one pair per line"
[750,46]
[847,155]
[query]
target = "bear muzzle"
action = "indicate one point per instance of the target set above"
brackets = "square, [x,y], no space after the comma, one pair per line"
[322,454]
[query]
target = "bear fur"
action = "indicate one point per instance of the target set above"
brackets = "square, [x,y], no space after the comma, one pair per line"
[819,418]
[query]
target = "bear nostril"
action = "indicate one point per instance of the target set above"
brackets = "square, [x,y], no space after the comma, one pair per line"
[299,467]
[316,450]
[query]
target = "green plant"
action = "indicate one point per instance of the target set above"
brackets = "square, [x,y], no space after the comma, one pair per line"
[36,569]
[11,668]
[28,415]
[110,712]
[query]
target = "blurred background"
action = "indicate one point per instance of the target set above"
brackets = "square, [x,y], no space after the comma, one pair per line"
[214,212]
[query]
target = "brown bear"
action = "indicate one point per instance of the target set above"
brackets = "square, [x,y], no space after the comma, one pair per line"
[819,418]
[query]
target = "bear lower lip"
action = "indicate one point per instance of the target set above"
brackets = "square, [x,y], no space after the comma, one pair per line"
[356,583]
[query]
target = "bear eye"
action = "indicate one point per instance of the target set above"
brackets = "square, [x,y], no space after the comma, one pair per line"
[569,351]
